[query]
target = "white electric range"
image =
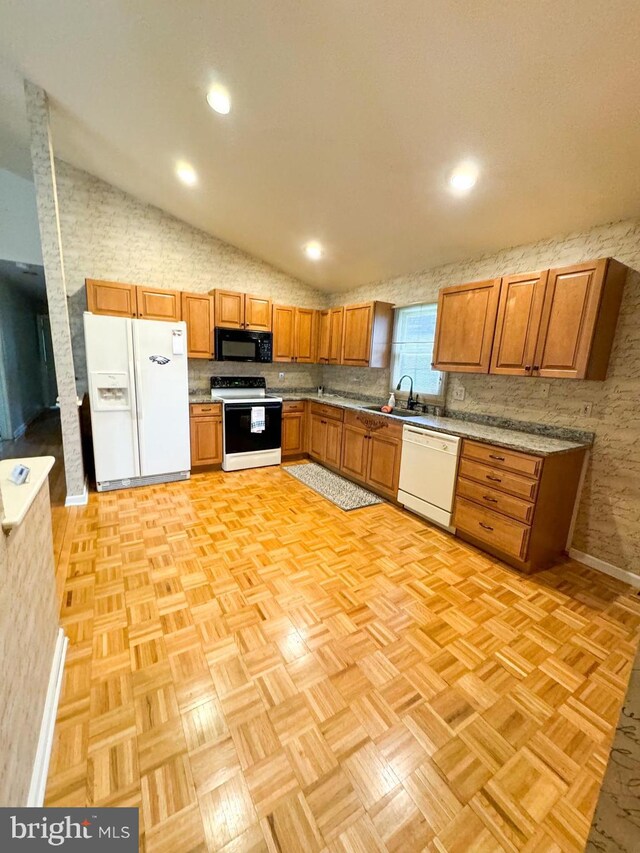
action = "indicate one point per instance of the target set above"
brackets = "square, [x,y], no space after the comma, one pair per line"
[244,443]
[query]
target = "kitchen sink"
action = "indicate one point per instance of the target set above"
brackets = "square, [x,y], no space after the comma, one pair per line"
[400,413]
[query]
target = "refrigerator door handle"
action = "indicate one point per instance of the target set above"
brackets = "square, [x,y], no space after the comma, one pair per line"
[133,381]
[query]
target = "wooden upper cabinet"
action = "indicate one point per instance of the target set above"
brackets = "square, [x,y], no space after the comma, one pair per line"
[336,326]
[518,323]
[284,321]
[293,334]
[356,334]
[197,312]
[305,335]
[578,322]
[324,336]
[229,309]
[257,313]
[465,325]
[111,297]
[237,310]
[366,334]
[156,304]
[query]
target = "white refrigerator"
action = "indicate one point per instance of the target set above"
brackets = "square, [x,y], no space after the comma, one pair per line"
[139,395]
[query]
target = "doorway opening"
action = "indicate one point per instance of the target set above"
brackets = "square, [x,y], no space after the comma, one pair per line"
[29,415]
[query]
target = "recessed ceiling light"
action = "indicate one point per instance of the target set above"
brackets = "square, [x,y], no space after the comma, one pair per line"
[219,100]
[313,250]
[463,177]
[186,173]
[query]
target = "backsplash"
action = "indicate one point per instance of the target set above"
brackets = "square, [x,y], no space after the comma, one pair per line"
[608,523]
[296,376]
[356,381]
[108,234]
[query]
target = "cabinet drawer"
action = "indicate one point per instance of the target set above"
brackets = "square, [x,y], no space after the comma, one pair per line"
[492,499]
[498,457]
[325,411]
[292,406]
[510,537]
[504,481]
[373,423]
[210,409]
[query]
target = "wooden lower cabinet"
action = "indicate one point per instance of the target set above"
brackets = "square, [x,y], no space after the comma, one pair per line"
[333,446]
[317,437]
[371,451]
[325,434]
[293,428]
[205,423]
[383,468]
[325,441]
[355,452]
[517,506]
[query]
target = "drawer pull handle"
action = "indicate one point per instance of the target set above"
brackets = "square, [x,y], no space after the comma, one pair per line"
[494,479]
[498,458]
[486,526]
[491,500]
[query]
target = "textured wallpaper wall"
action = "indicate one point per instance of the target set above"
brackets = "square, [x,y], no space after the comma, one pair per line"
[608,524]
[107,234]
[28,631]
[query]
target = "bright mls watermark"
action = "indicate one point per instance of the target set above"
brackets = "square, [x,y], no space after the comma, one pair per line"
[102,830]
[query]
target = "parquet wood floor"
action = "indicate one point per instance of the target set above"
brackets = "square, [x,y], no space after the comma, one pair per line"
[258,670]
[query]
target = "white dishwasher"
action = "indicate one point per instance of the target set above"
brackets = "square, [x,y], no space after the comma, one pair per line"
[428,473]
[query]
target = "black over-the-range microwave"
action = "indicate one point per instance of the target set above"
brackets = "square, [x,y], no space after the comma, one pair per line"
[243,345]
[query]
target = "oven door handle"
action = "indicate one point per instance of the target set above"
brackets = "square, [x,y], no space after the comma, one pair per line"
[248,406]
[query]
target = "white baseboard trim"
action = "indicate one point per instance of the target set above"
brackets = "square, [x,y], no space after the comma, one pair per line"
[606,568]
[78,500]
[45,739]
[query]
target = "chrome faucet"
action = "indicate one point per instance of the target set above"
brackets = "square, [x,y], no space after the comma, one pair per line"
[410,400]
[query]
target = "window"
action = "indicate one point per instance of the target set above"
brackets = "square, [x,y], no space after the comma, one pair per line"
[412,351]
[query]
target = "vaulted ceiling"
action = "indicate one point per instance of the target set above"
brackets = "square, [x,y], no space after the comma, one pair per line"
[346,119]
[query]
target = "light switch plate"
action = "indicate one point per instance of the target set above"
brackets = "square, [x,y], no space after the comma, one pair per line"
[281,374]
[586,409]
[458,393]
[544,389]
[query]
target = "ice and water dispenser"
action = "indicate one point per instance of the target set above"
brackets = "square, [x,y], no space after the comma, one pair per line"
[110,391]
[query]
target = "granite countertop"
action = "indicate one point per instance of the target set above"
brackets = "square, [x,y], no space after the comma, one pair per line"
[530,438]
[200,397]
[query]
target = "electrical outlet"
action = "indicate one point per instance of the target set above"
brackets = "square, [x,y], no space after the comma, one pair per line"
[544,389]
[458,393]
[281,375]
[586,409]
